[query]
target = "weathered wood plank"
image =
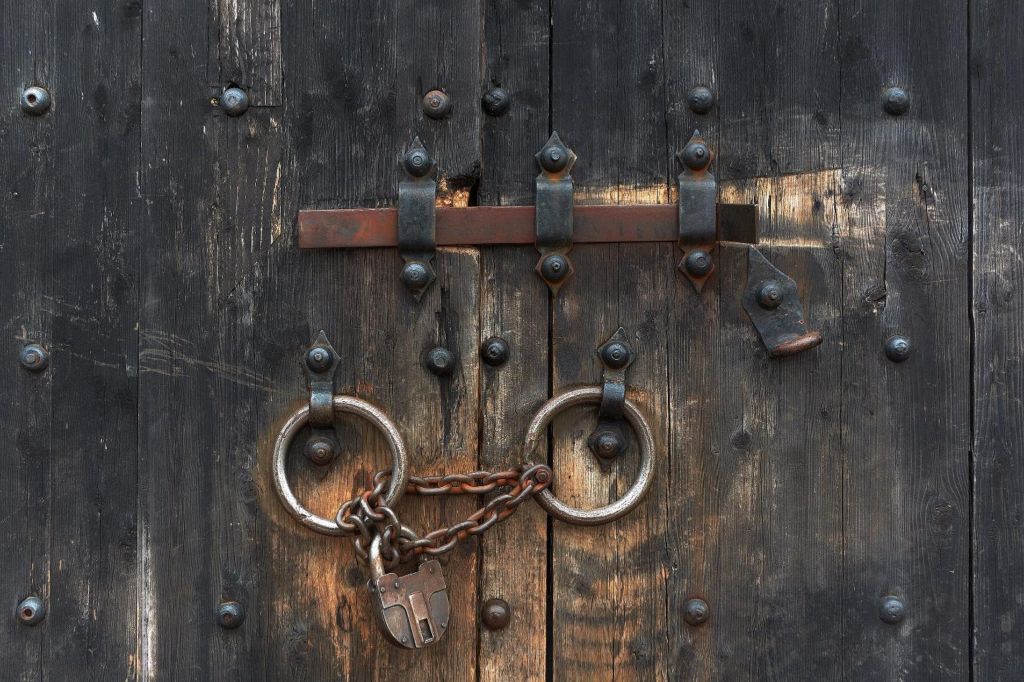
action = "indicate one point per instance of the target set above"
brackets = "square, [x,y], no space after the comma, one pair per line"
[998,193]
[904,241]
[608,583]
[248,44]
[514,306]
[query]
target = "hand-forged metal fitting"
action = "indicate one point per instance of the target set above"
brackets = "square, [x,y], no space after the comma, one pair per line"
[35,100]
[31,611]
[34,357]
[496,101]
[494,351]
[696,611]
[321,364]
[608,440]
[772,303]
[234,101]
[417,240]
[897,348]
[554,212]
[892,610]
[700,99]
[230,615]
[496,614]
[589,395]
[437,104]
[439,361]
[698,219]
[342,404]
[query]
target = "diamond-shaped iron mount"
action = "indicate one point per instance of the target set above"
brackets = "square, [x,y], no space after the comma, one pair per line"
[772,302]
[698,223]
[608,440]
[554,213]
[416,231]
[320,363]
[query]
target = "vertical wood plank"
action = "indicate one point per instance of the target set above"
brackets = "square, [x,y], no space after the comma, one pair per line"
[248,42]
[514,306]
[26,264]
[996,145]
[906,427]
[608,583]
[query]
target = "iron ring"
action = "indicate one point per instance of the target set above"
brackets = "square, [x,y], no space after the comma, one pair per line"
[342,404]
[590,395]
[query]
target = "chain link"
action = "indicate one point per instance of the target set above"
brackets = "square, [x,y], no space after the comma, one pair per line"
[366,514]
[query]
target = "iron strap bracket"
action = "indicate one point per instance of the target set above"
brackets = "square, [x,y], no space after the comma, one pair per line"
[417,241]
[773,305]
[609,438]
[698,220]
[554,212]
[321,365]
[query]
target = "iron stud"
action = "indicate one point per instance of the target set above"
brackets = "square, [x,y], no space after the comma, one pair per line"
[31,611]
[35,100]
[496,614]
[417,162]
[896,101]
[440,361]
[230,615]
[321,449]
[700,99]
[319,359]
[892,610]
[696,612]
[234,101]
[770,295]
[555,268]
[607,444]
[494,351]
[34,357]
[696,156]
[437,104]
[554,158]
[615,355]
[415,275]
[496,102]
[698,263]
[897,348]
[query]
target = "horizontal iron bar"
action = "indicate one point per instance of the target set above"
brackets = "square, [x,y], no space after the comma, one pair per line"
[353,228]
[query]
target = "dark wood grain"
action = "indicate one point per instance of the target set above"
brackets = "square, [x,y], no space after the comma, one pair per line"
[514,306]
[248,48]
[998,196]
[904,240]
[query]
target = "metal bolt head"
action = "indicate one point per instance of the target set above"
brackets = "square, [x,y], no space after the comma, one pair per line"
[891,610]
[770,295]
[230,615]
[615,355]
[606,444]
[319,359]
[700,100]
[696,612]
[696,156]
[896,101]
[35,100]
[496,614]
[554,158]
[417,162]
[494,351]
[440,361]
[34,357]
[321,449]
[496,102]
[415,275]
[234,101]
[555,268]
[897,348]
[698,263]
[31,611]
[437,104]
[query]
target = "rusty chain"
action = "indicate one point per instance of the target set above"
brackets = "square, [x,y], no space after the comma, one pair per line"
[366,514]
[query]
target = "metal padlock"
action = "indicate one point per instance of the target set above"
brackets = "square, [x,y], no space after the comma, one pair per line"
[412,610]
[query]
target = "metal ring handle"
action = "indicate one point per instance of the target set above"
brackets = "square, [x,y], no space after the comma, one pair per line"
[342,404]
[591,395]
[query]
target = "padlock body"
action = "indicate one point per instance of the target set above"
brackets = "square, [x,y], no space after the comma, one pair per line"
[412,610]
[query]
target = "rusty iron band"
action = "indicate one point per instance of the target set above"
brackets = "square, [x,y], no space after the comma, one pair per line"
[591,395]
[343,404]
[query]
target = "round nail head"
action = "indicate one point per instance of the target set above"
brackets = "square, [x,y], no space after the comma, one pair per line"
[321,449]
[896,101]
[415,275]
[437,104]
[234,101]
[35,100]
[615,355]
[34,358]
[494,351]
[698,263]
[696,156]
[31,611]
[440,361]
[417,163]
[554,159]
[892,610]
[496,102]
[770,295]
[555,268]
[607,444]
[696,612]
[319,359]
[700,100]
[230,615]
[496,614]
[897,348]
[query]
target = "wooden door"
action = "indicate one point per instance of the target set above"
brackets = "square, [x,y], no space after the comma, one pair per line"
[148,246]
